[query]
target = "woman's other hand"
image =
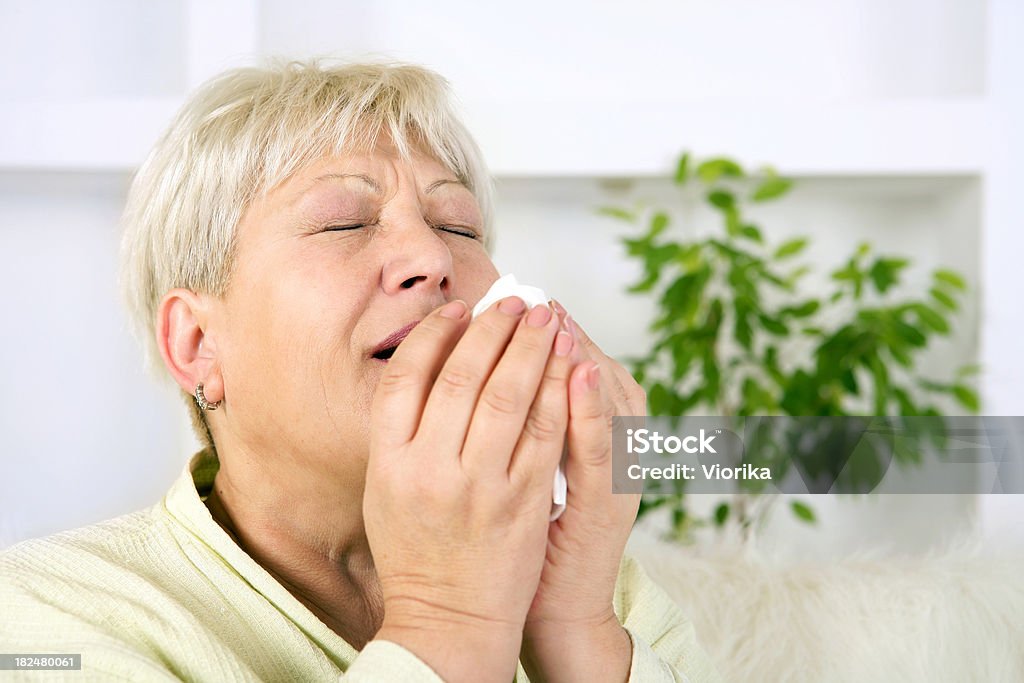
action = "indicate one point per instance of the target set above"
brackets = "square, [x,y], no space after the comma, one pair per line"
[571,631]
[468,426]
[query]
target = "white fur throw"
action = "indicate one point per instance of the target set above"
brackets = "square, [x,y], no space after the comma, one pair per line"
[957,616]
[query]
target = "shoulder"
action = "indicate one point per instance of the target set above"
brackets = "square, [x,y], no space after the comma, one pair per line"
[88,555]
[70,591]
[115,574]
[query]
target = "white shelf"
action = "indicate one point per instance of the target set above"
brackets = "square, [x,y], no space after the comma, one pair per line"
[106,135]
[580,138]
[640,139]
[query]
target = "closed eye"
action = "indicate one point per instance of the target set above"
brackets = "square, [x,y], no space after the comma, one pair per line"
[339,228]
[462,232]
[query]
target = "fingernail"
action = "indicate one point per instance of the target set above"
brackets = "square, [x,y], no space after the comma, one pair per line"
[563,344]
[558,308]
[571,325]
[454,310]
[539,316]
[593,377]
[513,305]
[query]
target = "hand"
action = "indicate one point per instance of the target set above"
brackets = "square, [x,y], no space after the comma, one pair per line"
[571,631]
[468,425]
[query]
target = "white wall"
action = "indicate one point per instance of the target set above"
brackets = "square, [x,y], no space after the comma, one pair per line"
[86,435]
[897,116]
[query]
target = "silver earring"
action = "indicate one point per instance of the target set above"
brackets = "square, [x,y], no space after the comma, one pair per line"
[201,399]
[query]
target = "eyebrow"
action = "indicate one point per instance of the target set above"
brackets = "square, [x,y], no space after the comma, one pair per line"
[340,176]
[375,186]
[438,183]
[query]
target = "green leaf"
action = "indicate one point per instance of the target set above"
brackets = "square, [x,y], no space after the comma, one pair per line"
[943,298]
[900,356]
[636,247]
[678,519]
[795,276]
[658,224]
[803,310]
[771,188]
[950,278]
[755,398]
[618,212]
[849,381]
[934,386]
[882,277]
[721,514]
[847,272]
[742,331]
[881,376]
[682,357]
[650,502]
[658,399]
[773,326]
[732,221]
[752,233]
[690,258]
[683,169]
[790,248]
[803,512]
[968,370]
[722,199]
[713,169]
[712,375]
[909,334]
[931,318]
[885,273]
[645,285]
[907,406]
[967,397]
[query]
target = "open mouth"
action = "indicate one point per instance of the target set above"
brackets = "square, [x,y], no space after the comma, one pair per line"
[386,348]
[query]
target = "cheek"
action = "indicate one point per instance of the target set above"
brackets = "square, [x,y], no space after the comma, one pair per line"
[476,273]
[291,331]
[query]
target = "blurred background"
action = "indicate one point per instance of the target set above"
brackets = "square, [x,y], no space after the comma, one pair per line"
[896,119]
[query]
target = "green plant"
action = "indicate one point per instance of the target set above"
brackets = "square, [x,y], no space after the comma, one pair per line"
[736,334]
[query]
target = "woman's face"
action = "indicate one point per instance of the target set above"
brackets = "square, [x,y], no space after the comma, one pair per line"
[331,266]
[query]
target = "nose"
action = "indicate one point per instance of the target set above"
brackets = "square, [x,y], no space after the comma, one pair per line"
[417,258]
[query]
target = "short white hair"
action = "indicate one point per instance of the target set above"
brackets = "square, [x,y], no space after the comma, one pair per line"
[248,130]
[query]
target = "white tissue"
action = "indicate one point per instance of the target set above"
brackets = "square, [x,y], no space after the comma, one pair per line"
[507,285]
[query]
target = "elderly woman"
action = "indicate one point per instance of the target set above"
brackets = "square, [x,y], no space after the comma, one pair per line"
[302,251]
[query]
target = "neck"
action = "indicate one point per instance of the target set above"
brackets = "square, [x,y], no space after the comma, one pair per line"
[314,545]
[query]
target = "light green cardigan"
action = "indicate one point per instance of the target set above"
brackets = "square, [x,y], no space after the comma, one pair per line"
[164,594]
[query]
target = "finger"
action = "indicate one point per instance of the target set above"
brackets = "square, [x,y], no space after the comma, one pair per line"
[543,437]
[505,401]
[628,396]
[453,398]
[590,433]
[405,383]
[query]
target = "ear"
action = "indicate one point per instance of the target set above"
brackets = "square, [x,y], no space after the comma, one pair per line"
[188,350]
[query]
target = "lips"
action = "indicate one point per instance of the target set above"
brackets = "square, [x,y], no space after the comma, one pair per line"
[386,348]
